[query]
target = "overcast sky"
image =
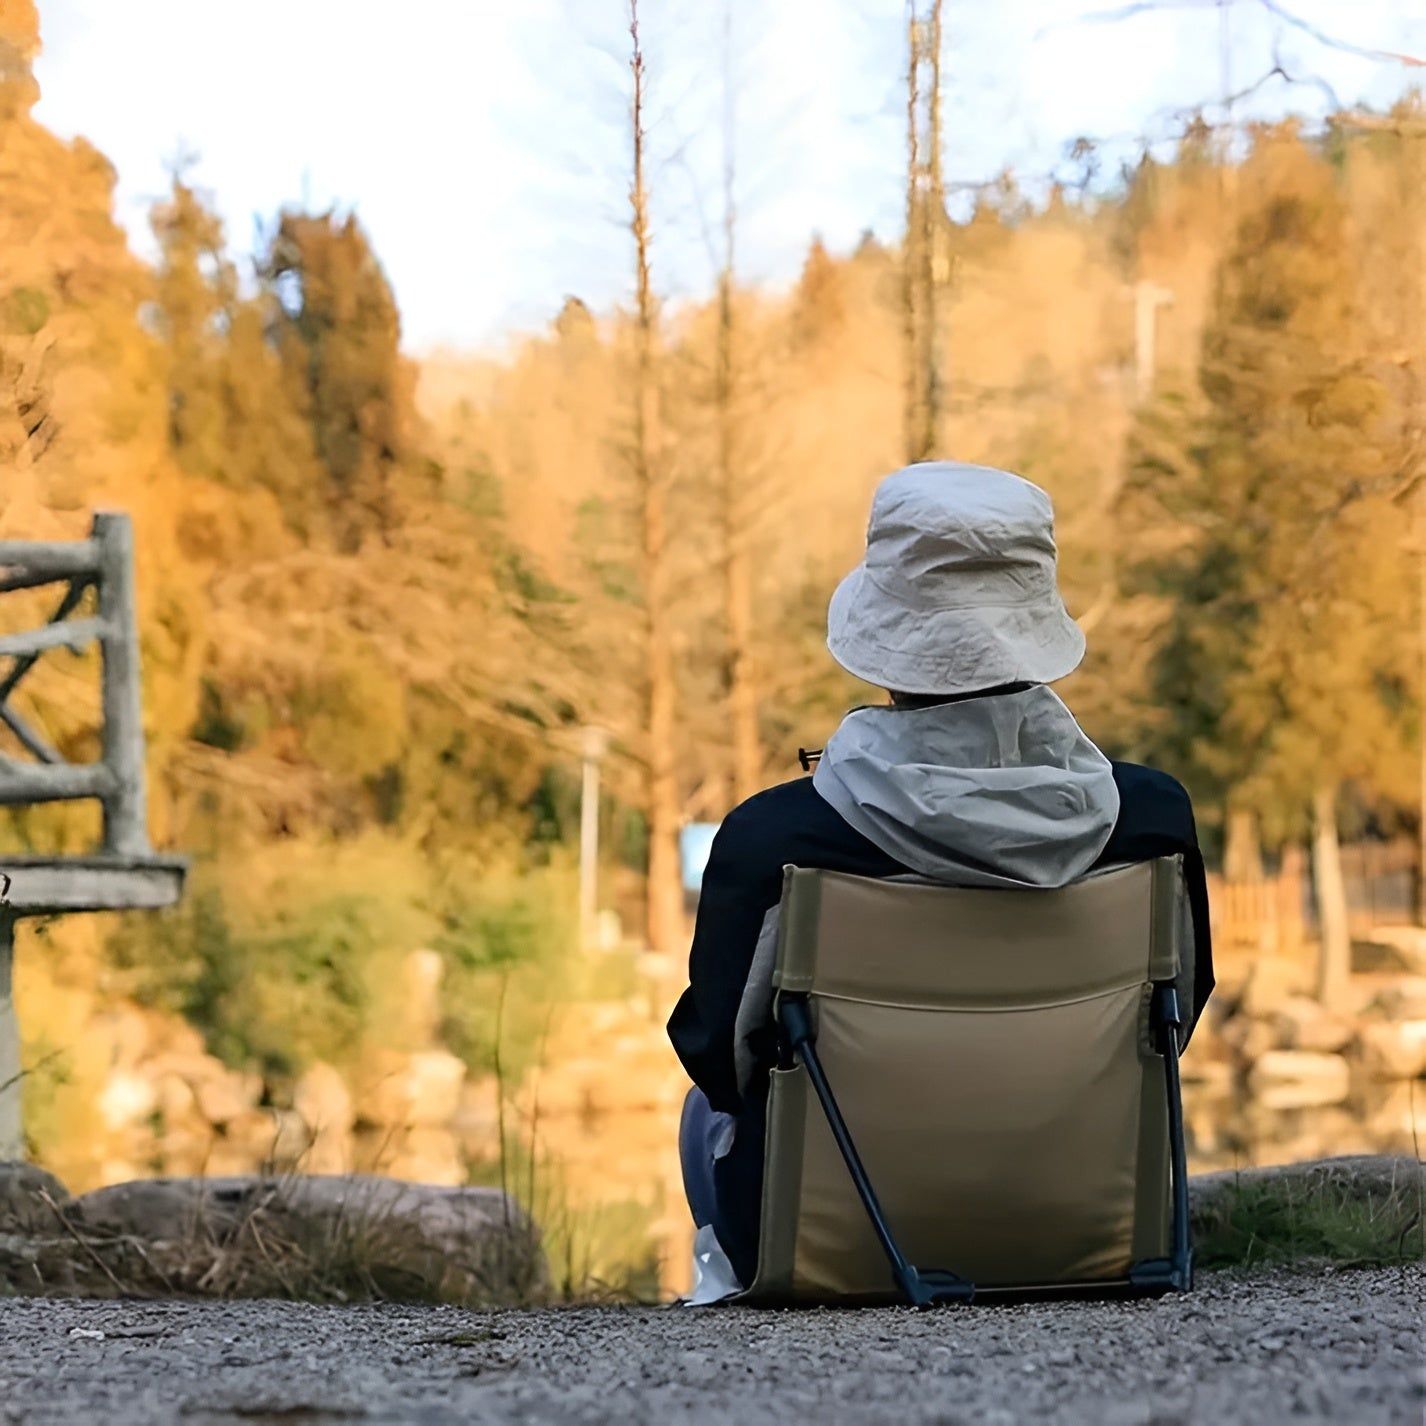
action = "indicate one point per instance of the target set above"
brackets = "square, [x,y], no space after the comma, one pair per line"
[483,143]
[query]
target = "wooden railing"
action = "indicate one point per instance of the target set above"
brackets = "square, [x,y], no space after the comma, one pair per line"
[103,562]
[1275,914]
[1258,915]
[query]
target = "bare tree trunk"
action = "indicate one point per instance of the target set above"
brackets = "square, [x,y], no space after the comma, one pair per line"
[913,414]
[933,215]
[663,895]
[1334,962]
[1290,881]
[925,224]
[737,574]
[1242,848]
[737,518]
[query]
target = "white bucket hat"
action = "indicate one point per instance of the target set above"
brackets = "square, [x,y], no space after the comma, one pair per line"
[957,591]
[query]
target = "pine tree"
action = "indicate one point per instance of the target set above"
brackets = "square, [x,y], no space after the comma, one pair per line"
[195,290]
[1282,663]
[233,419]
[819,305]
[340,335]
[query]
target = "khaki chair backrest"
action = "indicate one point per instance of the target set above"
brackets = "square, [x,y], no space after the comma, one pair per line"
[990,1051]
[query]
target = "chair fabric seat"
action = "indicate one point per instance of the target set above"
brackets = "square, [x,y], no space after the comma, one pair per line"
[991,1054]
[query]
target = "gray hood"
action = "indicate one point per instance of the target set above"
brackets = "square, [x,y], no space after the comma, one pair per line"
[1003,790]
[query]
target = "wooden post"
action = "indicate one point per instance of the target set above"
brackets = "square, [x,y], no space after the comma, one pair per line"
[125,811]
[12,1143]
[1334,964]
[595,742]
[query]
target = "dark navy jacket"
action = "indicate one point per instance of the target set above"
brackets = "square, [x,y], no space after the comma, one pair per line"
[792,825]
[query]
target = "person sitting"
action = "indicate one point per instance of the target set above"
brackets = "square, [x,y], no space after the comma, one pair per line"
[973,774]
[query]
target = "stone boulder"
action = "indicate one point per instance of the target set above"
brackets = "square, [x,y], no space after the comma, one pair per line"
[1271,981]
[23,1190]
[1407,945]
[323,1100]
[1402,998]
[1393,1050]
[1301,1023]
[1248,1037]
[338,1236]
[1382,1184]
[403,1091]
[1299,1079]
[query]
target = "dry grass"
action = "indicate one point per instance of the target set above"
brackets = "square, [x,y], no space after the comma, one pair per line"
[263,1244]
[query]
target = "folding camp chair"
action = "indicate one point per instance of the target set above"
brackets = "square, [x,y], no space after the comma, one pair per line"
[978,1089]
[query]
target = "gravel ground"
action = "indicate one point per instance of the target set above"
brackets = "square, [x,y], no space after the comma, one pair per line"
[1340,1347]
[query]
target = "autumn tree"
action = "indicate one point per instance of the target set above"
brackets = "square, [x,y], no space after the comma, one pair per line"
[233,417]
[1282,661]
[649,468]
[340,336]
[82,419]
[195,291]
[819,300]
[738,495]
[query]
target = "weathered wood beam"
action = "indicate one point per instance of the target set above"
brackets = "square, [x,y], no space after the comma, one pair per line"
[29,579]
[24,782]
[29,738]
[41,886]
[34,562]
[125,802]
[68,633]
[12,1137]
[22,666]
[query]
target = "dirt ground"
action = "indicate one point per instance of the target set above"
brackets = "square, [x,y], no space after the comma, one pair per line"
[1347,1346]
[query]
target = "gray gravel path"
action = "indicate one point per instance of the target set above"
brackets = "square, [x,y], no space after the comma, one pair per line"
[1340,1347]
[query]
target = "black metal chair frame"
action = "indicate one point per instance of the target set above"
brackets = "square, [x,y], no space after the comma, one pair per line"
[927,1287]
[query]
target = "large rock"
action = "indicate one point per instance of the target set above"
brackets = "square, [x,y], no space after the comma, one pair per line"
[1301,1023]
[126,1098]
[1406,943]
[23,1191]
[424,1154]
[332,1237]
[478,1118]
[402,1091]
[1394,1051]
[1210,1079]
[323,1100]
[1368,1185]
[1248,1037]
[219,1093]
[1272,980]
[223,1094]
[1299,1079]
[269,1137]
[1402,998]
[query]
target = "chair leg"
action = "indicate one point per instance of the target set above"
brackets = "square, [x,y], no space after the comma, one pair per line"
[922,1287]
[1174,1273]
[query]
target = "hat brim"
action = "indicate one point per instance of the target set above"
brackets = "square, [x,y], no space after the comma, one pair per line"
[961,650]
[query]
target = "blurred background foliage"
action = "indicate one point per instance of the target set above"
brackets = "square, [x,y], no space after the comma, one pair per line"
[381,596]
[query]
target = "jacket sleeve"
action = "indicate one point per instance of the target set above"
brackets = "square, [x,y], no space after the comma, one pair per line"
[1156,819]
[742,880]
